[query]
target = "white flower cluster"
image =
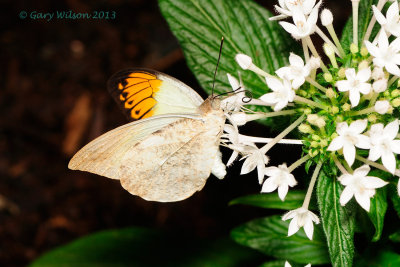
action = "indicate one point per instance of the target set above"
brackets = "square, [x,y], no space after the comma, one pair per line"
[341,110]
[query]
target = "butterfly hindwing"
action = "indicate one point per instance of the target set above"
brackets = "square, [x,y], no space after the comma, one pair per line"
[142,93]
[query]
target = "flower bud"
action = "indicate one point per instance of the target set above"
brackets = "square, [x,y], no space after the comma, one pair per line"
[382,106]
[335,110]
[244,61]
[363,65]
[395,93]
[334,135]
[314,144]
[353,48]
[396,102]
[326,17]
[315,137]
[372,118]
[312,118]
[329,50]
[323,143]
[390,110]
[328,77]
[305,128]
[307,111]
[364,51]
[330,93]
[320,122]
[342,73]
[314,62]
[379,86]
[377,73]
[346,107]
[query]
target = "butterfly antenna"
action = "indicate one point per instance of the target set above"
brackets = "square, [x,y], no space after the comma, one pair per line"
[216,68]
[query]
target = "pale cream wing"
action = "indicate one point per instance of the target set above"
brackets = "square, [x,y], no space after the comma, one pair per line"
[105,154]
[173,163]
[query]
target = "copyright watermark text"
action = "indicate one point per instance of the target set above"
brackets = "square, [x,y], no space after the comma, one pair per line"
[67,15]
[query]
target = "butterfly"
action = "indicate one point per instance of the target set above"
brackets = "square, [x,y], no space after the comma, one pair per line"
[171,146]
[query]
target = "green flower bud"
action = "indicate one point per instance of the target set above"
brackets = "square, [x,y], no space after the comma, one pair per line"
[315,137]
[395,93]
[305,128]
[314,144]
[323,143]
[346,107]
[330,93]
[353,48]
[372,118]
[396,102]
[328,77]
[363,65]
[342,73]
[364,51]
[334,109]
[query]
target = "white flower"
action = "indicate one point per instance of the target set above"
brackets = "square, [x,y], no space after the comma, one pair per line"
[296,72]
[244,61]
[349,137]
[356,83]
[286,7]
[282,93]
[254,158]
[279,177]
[251,153]
[301,217]
[302,26]
[390,23]
[236,143]
[383,144]
[359,185]
[385,55]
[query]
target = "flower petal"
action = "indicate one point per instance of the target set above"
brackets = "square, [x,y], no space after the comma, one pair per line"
[391,130]
[309,228]
[269,186]
[349,152]
[358,126]
[346,195]
[395,146]
[389,161]
[373,182]
[336,144]
[293,227]
[363,200]
[282,191]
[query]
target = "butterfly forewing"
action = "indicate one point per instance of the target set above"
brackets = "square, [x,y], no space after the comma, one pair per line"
[142,93]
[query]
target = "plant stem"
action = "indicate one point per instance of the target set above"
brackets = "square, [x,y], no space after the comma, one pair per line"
[268,146]
[371,24]
[313,82]
[315,53]
[355,4]
[332,33]
[309,102]
[311,186]
[327,40]
[338,164]
[376,165]
[298,163]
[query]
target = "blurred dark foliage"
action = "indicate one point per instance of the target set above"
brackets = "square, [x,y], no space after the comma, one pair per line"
[53,100]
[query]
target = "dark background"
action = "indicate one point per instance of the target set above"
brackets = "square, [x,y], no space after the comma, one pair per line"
[53,100]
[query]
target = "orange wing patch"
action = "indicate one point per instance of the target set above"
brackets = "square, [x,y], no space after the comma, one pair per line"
[136,91]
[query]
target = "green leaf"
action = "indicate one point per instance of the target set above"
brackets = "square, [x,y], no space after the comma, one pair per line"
[274,264]
[293,200]
[269,235]
[394,196]
[337,221]
[364,16]
[378,205]
[199,26]
[395,237]
[145,247]
[380,259]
